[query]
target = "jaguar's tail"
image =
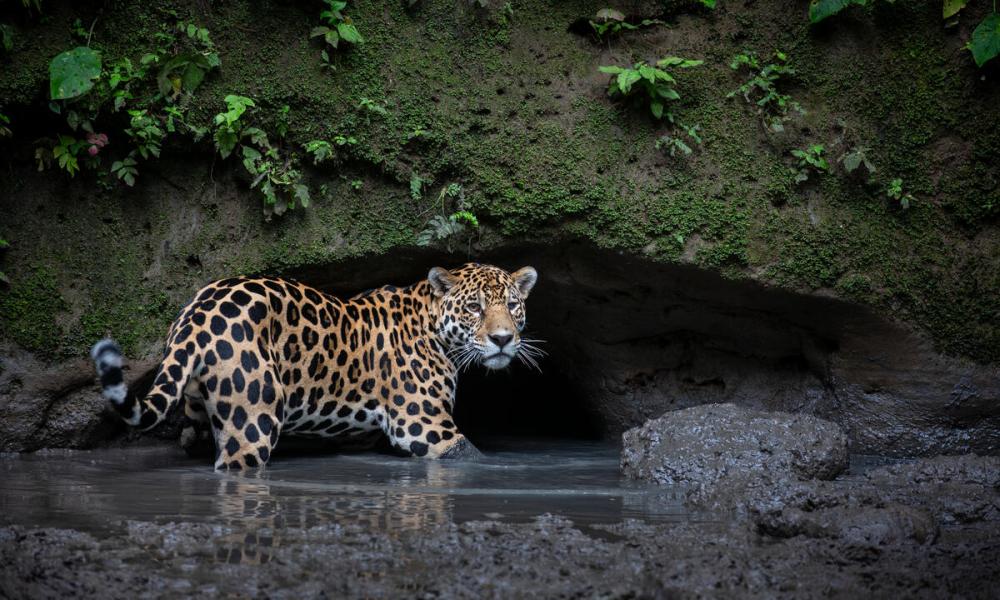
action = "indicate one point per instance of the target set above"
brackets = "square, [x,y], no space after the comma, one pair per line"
[168,387]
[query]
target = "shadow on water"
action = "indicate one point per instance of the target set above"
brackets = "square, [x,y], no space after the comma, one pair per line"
[99,491]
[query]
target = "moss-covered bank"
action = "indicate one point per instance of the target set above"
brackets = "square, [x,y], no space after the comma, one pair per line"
[515,111]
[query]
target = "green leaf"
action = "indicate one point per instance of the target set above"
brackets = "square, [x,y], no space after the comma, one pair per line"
[647,72]
[676,61]
[610,70]
[657,109]
[950,8]
[667,93]
[6,37]
[626,79]
[985,42]
[609,14]
[73,72]
[192,77]
[821,9]
[708,3]
[302,194]
[349,33]
[852,161]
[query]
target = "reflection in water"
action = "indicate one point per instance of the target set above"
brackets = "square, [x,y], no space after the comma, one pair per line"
[96,491]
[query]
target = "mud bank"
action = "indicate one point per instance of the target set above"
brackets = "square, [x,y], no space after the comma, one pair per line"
[549,557]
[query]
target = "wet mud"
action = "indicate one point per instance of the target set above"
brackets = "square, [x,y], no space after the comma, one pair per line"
[531,522]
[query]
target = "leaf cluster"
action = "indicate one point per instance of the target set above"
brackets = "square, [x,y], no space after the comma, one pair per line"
[322,150]
[761,88]
[153,90]
[447,228]
[608,23]
[652,84]
[337,28]
[273,168]
[894,191]
[811,160]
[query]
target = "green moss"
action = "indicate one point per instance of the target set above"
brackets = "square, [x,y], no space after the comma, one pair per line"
[30,311]
[517,114]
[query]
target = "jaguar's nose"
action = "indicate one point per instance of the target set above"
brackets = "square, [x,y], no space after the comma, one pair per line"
[501,339]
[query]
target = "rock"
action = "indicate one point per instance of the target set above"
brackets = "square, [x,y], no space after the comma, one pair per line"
[858,526]
[955,489]
[907,501]
[60,406]
[721,448]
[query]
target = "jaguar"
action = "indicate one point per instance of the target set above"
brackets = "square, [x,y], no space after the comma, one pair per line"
[253,358]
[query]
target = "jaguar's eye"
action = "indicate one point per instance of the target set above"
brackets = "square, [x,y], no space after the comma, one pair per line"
[511,305]
[473,307]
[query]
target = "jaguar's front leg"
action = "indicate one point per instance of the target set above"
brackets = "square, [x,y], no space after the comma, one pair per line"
[422,426]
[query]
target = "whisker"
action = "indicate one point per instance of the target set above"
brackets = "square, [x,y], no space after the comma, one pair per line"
[533,350]
[529,360]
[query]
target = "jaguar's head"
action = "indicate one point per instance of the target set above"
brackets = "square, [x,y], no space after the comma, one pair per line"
[481,314]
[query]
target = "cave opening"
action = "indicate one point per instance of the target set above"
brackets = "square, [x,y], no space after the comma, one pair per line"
[523,402]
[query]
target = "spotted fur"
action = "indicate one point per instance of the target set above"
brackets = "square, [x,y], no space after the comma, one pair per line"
[257,358]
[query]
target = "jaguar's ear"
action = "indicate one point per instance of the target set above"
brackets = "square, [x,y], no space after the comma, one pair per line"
[441,281]
[524,279]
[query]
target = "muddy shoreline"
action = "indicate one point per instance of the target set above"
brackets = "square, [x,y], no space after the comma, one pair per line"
[927,528]
[546,558]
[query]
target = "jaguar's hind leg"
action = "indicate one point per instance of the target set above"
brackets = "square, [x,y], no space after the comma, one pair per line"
[245,424]
[196,436]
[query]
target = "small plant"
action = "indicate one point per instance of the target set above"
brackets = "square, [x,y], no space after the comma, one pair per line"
[761,89]
[356,184]
[125,169]
[276,177]
[145,133]
[338,28]
[448,227]
[184,72]
[320,150]
[416,132]
[608,23]
[66,152]
[372,107]
[810,160]
[855,159]
[894,191]
[652,84]
[281,121]
[274,169]
[5,126]
[674,143]
[175,120]
[416,187]
[228,127]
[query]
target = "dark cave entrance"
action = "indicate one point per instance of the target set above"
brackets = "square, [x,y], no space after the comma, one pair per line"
[522,402]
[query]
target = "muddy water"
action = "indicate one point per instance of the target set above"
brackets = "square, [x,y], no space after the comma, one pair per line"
[96,491]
